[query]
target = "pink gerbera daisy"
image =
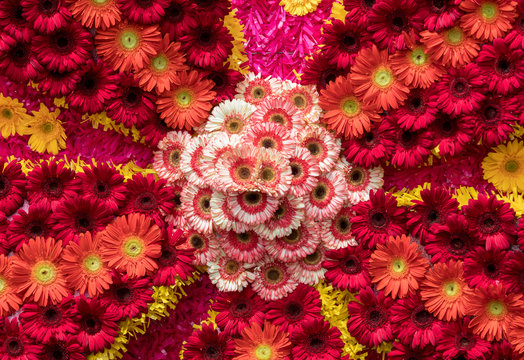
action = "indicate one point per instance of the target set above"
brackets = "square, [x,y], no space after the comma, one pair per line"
[252,207]
[336,230]
[305,171]
[196,205]
[297,244]
[287,217]
[243,247]
[255,89]
[222,214]
[308,270]
[272,280]
[167,158]
[322,145]
[228,274]
[204,248]
[360,181]
[270,135]
[327,197]
[280,111]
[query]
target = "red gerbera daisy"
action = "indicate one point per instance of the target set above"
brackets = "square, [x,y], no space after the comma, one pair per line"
[155,130]
[316,339]
[487,20]
[12,21]
[348,268]
[216,8]
[377,219]
[131,106]
[225,80]
[457,339]
[483,267]
[515,38]
[4,245]
[15,344]
[512,272]
[12,186]
[369,317]
[179,15]
[143,12]
[18,61]
[46,15]
[59,83]
[236,310]
[403,352]
[29,224]
[450,46]
[442,14]
[418,112]
[98,327]
[503,350]
[375,147]
[358,10]
[452,133]
[318,71]
[68,349]
[173,263]
[127,298]
[492,220]
[208,343]
[52,321]
[412,148]
[342,41]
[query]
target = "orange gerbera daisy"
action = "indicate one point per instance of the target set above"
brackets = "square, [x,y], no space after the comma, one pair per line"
[188,104]
[451,47]
[493,310]
[516,333]
[9,300]
[375,81]
[397,267]
[444,291]
[256,343]
[130,243]
[345,113]
[84,268]
[161,70]
[128,46]
[37,271]
[486,20]
[100,14]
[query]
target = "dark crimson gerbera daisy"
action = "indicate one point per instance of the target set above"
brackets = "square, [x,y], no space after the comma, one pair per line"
[179,16]
[215,8]
[404,352]
[502,66]
[375,147]
[96,86]
[14,342]
[457,339]
[435,206]
[12,186]
[225,80]
[236,310]
[412,148]
[52,321]
[155,130]
[207,343]
[512,272]
[4,224]
[46,15]
[316,339]
[348,268]
[342,41]
[483,267]
[29,224]
[18,61]
[98,327]
[358,11]
[58,83]
[413,325]
[50,183]
[419,110]
[208,43]
[12,22]
[390,21]
[318,71]
[144,12]
[502,350]
[149,196]
[452,133]
[127,298]
[452,240]
[105,184]
[492,220]
[369,317]
[443,14]
[173,263]
[460,90]
[62,350]
[77,215]
[377,219]
[302,305]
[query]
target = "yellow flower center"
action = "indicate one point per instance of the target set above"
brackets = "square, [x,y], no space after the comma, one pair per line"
[383,77]
[351,107]
[44,272]
[129,40]
[3,284]
[133,246]
[511,166]
[455,36]
[160,62]
[100,2]
[452,288]
[419,57]
[7,113]
[184,98]
[263,352]
[93,263]
[496,308]
[47,127]
[488,10]
[398,266]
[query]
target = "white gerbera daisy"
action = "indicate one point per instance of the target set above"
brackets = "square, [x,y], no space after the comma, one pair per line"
[218,145]
[237,169]
[279,111]
[336,230]
[252,207]
[287,217]
[304,98]
[228,274]
[254,89]
[273,173]
[222,216]
[305,172]
[360,180]
[230,117]
[196,206]
[322,145]
[191,160]
[271,136]
[298,244]
[167,159]
[273,280]
[309,270]
[328,196]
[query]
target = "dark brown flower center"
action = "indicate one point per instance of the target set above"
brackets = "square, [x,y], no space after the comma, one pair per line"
[196,241]
[5,186]
[91,324]
[241,308]
[53,187]
[132,97]
[398,21]
[83,223]
[378,219]
[63,42]
[167,256]
[458,244]
[212,351]
[20,54]
[146,201]
[294,310]
[489,223]
[296,170]
[491,270]
[34,229]
[504,66]
[51,315]
[252,198]
[343,224]
[273,275]
[375,317]
[351,265]
[123,293]
[293,237]
[421,317]
[14,346]
[316,343]
[101,189]
[48,7]
[459,87]
[407,139]
[320,192]
[56,352]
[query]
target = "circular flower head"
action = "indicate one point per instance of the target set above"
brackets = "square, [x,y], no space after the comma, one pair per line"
[487,20]
[269,135]
[360,181]
[46,131]
[245,246]
[209,343]
[273,173]
[15,344]
[328,196]
[255,89]
[252,207]
[336,230]
[222,214]
[219,145]
[13,22]
[504,167]
[13,115]
[298,244]
[442,14]
[418,112]
[269,343]
[304,98]
[168,156]
[457,339]
[237,169]
[228,274]
[305,172]
[196,205]
[179,15]
[225,80]
[316,339]
[512,272]
[319,71]
[18,61]
[483,267]
[130,244]
[272,280]
[46,16]
[9,299]
[173,263]
[278,110]
[127,298]
[144,12]
[98,327]
[497,117]
[322,145]
[230,117]
[453,133]
[100,14]
[309,270]
[342,41]
[204,248]
[30,224]
[287,217]
[12,186]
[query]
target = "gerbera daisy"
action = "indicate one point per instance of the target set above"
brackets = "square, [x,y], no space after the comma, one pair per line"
[25,225]
[68,349]
[445,292]
[374,80]
[287,217]
[360,181]
[96,86]
[252,207]
[4,245]
[217,8]
[225,80]
[418,112]
[452,133]
[167,158]
[495,119]
[188,104]
[341,42]
[397,267]
[237,310]
[130,244]
[434,206]
[13,115]
[59,83]
[243,247]
[94,276]
[450,47]
[504,167]
[415,326]
[51,321]
[223,217]
[305,171]
[100,15]
[230,116]
[179,15]
[127,46]
[487,20]
[15,344]
[218,145]
[512,272]
[442,14]
[45,130]
[98,327]
[196,205]
[369,317]
[45,16]
[483,267]
[207,43]
[297,244]
[323,146]
[208,343]
[12,186]
[13,22]
[373,148]
[503,350]
[515,332]
[144,13]
[457,339]
[377,219]
[304,98]
[38,273]
[308,270]
[173,263]
[270,135]
[255,89]
[272,280]
[336,230]
[18,61]
[316,339]
[273,174]
[515,38]
[492,220]
[228,274]
[65,49]
[320,72]
[327,197]
[204,248]
[154,131]
[269,343]
[127,298]
[236,169]
[278,110]
[9,299]
[345,114]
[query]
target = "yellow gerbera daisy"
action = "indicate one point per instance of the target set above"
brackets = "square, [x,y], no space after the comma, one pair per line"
[504,167]
[299,7]
[13,116]
[47,133]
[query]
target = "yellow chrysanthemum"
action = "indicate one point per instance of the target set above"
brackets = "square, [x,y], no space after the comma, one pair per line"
[299,7]
[13,116]
[47,133]
[504,167]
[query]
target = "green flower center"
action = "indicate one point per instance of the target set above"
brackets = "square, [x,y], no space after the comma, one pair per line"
[398,266]
[133,246]
[383,77]
[44,272]
[184,98]
[488,10]
[455,36]
[47,127]
[93,263]
[263,352]
[350,107]
[159,63]
[511,166]
[3,285]
[418,57]
[452,289]
[496,308]
[7,113]
[100,2]
[129,40]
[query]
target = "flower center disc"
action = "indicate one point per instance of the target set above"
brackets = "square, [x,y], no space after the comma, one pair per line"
[274,275]
[418,57]
[383,78]
[45,272]
[159,63]
[452,289]
[100,2]
[3,285]
[47,127]
[511,166]
[234,125]
[351,107]
[133,246]
[299,100]
[184,98]
[455,36]
[263,352]
[488,11]
[93,263]
[398,266]
[231,267]
[496,308]
[129,40]
[7,114]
